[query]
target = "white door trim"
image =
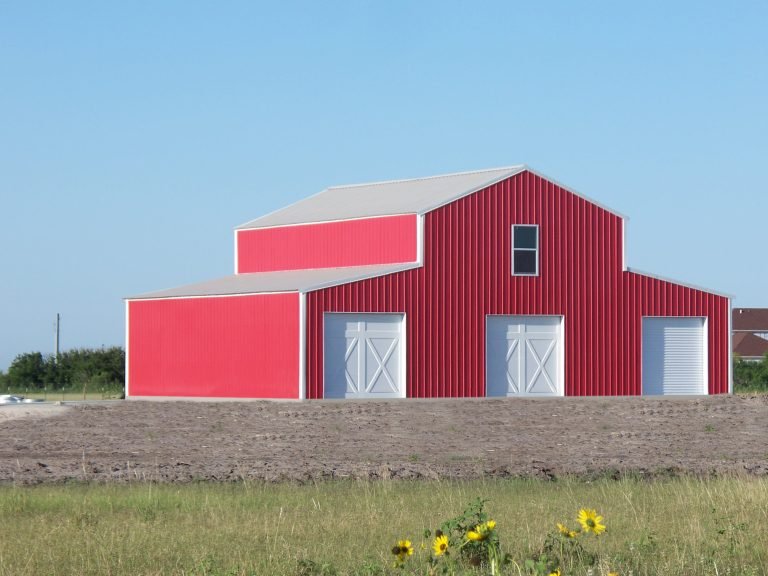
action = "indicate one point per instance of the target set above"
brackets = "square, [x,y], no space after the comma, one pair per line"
[704,385]
[402,371]
[560,354]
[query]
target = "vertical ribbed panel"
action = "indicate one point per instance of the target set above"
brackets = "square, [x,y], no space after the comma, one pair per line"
[467,275]
[328,244]
[226,347]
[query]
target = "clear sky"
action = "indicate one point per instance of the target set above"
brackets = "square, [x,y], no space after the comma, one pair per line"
[134,136]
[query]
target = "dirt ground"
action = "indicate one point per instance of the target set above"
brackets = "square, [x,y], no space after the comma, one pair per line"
[177,441]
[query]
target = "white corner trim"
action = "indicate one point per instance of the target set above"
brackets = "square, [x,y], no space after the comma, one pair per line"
[705,352]
[420,239]
[624,266]
[730,346]
[237,253]
[302,346]
[127,345]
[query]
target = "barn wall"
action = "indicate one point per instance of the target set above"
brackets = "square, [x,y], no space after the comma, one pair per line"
[385,240]
[466,276]
[235,346]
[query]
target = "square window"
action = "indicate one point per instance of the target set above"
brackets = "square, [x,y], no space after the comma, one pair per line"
[525,250]
[525,262]
[526,237]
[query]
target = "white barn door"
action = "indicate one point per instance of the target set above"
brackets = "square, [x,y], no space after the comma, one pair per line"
[674,356]
[364,356]
[524,356]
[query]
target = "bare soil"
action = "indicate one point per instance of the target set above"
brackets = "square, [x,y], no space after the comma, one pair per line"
[176,441]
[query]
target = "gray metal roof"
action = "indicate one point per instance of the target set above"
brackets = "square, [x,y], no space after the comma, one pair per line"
[281,281]
[416,196]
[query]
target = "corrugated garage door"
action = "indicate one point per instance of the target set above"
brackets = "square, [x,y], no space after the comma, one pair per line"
[524,356]
[674,356]
[364,356]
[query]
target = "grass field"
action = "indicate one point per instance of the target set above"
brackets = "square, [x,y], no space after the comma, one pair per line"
[66,395]
[681,526]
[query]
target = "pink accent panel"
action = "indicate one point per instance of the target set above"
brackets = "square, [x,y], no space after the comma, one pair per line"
[385,240]
[236,347]
[467,275]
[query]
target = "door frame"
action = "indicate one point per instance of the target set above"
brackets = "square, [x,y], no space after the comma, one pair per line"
[402,371]
[560,355]
[704,351]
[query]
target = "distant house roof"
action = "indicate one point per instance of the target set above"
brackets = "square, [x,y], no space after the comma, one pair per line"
[750,319]
[747,345]
[282,281]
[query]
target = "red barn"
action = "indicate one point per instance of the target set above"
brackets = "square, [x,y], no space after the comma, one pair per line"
[490,283]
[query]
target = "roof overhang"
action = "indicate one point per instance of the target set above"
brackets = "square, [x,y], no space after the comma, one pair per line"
[276,282]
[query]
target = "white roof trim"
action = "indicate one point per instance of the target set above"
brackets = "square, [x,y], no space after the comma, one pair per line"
[407,196]
[316,212]
[513,171]
[278,282]
[350,279]
[684,284]
[577,193]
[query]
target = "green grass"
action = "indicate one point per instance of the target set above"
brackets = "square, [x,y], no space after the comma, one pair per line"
[680,526]
[66,395]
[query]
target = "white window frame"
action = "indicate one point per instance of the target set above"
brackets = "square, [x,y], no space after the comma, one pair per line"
[536,250]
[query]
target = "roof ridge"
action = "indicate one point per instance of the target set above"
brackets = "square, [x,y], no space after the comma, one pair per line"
[516,167]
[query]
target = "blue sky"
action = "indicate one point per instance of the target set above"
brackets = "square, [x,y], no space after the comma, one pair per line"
[135,135]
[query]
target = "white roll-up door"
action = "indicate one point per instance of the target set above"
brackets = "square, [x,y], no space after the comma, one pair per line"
[524,356]
[674,356]
[364,356]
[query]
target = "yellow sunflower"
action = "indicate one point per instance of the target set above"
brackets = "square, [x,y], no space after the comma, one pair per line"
[440,545]
[565,531]
[402,549]
[590,521]
[481,531]
[555,573]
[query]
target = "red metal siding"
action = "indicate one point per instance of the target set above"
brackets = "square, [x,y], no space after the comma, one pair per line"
[467,275]
[237,347]
[386,240]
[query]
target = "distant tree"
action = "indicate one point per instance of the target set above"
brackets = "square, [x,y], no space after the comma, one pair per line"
[27,370]
[103,367]
[750,376]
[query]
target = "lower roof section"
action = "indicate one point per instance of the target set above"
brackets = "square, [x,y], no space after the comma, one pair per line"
[282,281]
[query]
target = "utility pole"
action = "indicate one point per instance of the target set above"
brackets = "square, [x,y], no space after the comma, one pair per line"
[56,340]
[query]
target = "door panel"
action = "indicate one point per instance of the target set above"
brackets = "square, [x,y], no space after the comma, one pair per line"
[523,356]
[674,356]
[371,364]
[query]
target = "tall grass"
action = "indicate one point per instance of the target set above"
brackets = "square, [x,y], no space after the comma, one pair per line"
[681,526]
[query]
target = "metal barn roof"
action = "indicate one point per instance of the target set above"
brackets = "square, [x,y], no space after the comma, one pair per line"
[415,196]
[280,281]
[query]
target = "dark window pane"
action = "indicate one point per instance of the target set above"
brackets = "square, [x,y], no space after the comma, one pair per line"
[525,237]
[525,261]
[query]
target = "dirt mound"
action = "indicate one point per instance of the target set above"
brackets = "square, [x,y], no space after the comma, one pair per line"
[447,438]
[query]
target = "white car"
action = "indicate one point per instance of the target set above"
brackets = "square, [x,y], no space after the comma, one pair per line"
[11,399]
